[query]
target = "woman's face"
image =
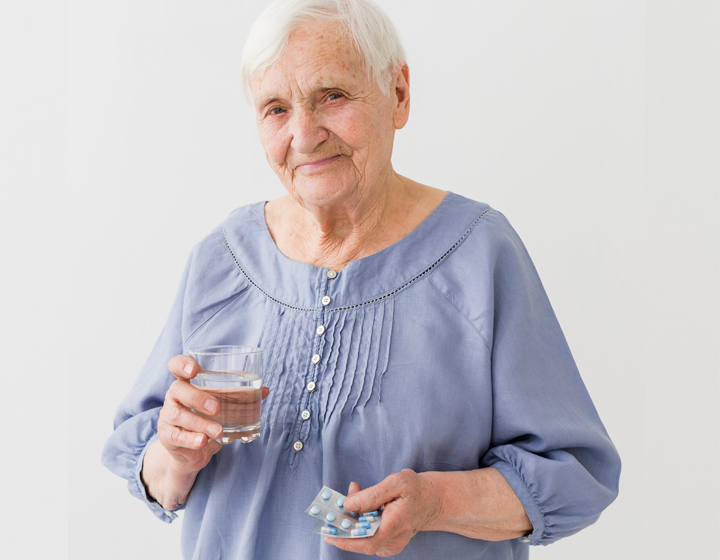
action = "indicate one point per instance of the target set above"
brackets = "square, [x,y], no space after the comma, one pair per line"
[326,127]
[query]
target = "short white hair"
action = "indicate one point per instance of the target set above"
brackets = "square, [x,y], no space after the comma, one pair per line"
[373,35]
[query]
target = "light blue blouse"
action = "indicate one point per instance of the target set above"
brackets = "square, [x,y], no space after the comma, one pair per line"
[439,353]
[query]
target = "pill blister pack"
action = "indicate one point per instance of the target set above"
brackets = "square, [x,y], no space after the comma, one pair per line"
[336,521]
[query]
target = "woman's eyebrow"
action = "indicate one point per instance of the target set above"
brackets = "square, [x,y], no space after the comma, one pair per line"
[336,84]
[267,100]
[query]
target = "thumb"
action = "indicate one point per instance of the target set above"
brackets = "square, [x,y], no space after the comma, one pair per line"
[371,498]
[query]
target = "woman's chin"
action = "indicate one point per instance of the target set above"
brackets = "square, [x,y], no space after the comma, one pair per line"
[323,191]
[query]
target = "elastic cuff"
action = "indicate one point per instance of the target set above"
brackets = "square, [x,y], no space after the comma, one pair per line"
[526,499]
[161,513]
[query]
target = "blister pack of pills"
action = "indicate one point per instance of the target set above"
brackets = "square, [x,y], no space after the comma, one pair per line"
[336,521]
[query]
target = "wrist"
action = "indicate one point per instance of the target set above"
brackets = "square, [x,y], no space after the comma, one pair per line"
[434,496]
[176,476]
[478,504]
[167,481]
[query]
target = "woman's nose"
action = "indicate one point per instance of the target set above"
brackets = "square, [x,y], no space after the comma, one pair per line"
[307,131]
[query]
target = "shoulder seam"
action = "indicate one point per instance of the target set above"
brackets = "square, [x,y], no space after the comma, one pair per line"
[461,314]
[228,302]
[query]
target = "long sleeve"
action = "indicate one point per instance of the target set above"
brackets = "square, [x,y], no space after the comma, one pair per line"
[545,435]
[547,438]
[210,283]
[137,416]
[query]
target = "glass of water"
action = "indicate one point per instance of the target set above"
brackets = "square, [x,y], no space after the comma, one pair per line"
[233,376]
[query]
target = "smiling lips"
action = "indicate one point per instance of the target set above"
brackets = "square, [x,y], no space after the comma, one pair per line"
[317,164]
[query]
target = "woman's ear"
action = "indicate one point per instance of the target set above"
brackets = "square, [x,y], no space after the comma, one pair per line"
[401,83]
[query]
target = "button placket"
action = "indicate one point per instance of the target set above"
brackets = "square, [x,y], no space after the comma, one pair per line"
[320,330]
[305,408]
[316,359]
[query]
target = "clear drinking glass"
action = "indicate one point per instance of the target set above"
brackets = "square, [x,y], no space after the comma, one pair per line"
[233,376]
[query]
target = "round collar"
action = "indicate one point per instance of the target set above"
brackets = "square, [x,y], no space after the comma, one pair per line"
[302,286]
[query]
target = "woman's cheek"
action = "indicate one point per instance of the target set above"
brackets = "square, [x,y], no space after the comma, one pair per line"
[274,142]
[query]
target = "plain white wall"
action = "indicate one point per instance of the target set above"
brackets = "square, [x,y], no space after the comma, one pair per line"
[594,126]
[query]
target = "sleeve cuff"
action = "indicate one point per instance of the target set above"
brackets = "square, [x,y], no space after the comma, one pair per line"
[527,500]
[161,513]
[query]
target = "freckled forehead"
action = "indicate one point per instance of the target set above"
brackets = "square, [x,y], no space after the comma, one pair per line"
[318,55]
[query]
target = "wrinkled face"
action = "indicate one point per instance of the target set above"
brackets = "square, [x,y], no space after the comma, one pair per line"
[326,127]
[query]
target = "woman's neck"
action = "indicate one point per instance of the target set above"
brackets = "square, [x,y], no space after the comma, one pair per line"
[332,237]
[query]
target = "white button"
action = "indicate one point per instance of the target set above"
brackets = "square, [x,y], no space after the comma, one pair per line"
[305,414]
[525,540]
[311,386]
[332,274]
[298,445]
[326,300]
[321,329]
[316,358]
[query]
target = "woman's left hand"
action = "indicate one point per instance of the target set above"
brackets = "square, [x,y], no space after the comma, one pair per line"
[411,502]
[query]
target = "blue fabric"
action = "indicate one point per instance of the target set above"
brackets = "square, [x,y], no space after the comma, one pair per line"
[440,352]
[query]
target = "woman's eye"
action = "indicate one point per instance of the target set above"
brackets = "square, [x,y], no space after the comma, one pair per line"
[333,96]
[276,111]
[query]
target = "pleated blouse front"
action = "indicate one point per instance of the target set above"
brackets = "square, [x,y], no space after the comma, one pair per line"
[440,352]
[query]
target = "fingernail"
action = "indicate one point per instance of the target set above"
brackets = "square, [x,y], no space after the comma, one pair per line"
[216,430]
[198,440]
[211,406]
[188,369]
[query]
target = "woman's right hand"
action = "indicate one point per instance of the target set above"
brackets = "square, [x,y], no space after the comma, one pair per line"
[188,437]
[184,445]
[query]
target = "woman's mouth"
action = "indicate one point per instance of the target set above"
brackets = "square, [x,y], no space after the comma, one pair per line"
[316,165]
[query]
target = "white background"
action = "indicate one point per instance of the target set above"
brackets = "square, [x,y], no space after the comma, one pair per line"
[124,139]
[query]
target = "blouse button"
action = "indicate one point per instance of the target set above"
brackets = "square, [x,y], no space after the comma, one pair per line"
[316,358]
[305,414]
[525,540]
[325,300]
[298,445]
[331,274]
[321,329]
[311,386]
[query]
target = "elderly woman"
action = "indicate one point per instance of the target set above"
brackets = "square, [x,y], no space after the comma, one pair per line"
[411,350]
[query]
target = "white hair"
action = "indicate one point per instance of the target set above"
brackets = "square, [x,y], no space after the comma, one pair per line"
[373,35]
